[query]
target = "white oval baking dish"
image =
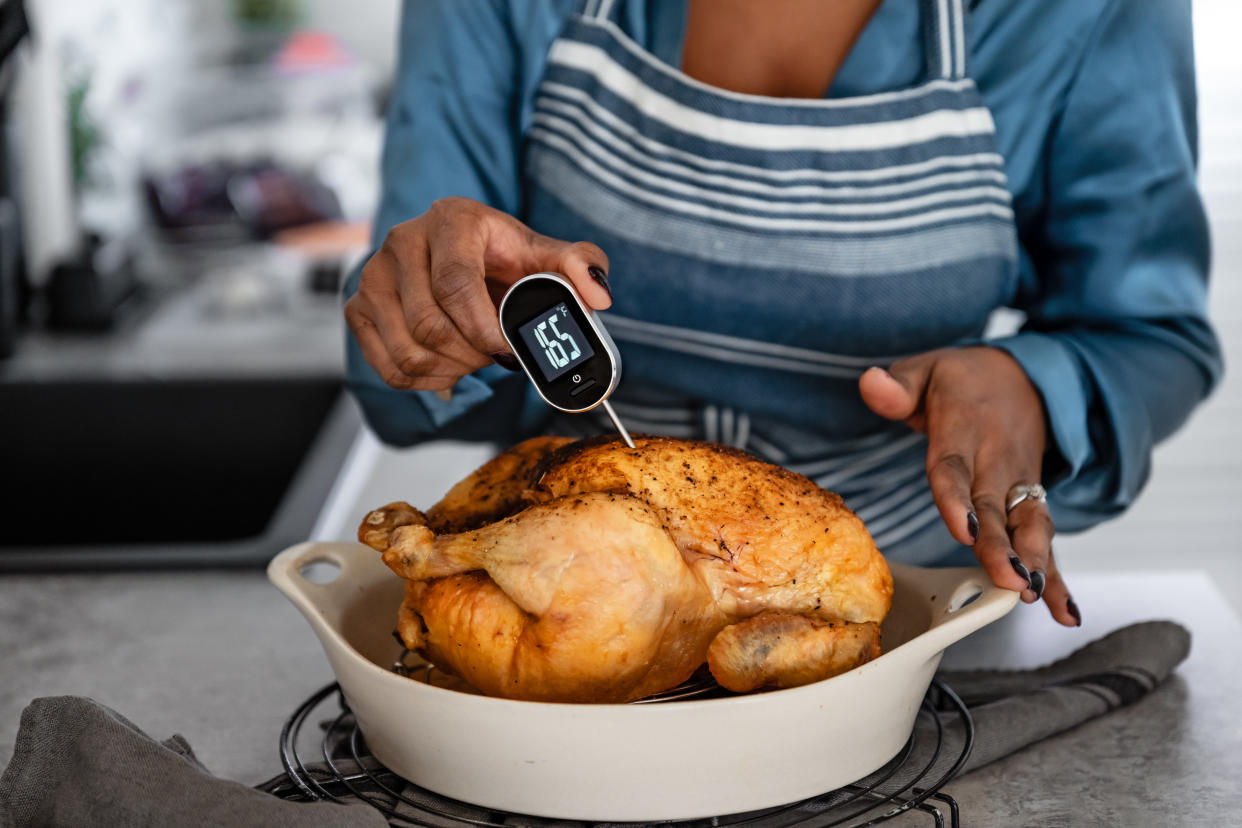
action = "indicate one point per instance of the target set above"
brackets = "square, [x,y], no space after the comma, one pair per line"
[618,762]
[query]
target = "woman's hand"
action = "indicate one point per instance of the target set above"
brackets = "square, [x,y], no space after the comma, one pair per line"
[985,427]
[424,314]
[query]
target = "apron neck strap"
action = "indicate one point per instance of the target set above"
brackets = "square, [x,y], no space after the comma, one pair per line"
[944,22]
[599,9]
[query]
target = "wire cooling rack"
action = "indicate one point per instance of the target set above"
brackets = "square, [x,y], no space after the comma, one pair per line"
[345,771]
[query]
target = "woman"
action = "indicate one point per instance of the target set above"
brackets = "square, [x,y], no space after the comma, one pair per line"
[770,199]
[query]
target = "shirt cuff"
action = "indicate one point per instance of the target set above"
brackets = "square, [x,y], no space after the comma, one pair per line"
[468,392]
[405,417]
[1055,372]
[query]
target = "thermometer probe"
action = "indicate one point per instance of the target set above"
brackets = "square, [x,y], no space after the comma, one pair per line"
[561,345]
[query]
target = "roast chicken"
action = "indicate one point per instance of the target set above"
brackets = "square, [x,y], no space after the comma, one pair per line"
[586,571]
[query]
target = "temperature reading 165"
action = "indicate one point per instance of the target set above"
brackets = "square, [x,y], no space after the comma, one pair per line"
[556,341]
[552,347]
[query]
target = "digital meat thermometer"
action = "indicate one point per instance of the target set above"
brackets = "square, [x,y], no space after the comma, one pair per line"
[561,345]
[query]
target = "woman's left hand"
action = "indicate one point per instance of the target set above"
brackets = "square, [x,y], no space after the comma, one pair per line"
[985,430]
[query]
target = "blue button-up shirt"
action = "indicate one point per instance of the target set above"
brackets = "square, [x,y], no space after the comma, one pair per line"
[1094,104]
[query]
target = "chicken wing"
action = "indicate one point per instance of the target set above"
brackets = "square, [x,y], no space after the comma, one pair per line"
[493,491]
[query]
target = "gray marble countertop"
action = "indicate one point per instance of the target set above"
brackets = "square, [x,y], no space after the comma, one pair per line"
[223,658]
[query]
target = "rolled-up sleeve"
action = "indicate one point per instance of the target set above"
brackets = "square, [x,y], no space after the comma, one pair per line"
[452,130]
[1117,339]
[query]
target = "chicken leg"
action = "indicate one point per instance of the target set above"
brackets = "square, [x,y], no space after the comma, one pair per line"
[781,649]
[586,598]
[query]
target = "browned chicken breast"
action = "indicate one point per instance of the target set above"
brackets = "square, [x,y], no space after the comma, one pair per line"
[591,572]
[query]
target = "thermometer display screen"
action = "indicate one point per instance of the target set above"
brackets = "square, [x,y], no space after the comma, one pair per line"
[556,341]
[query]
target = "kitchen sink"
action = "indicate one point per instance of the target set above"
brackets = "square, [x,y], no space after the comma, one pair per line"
[166,473]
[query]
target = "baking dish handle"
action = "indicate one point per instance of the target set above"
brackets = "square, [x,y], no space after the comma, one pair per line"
[321,600]
[973,602]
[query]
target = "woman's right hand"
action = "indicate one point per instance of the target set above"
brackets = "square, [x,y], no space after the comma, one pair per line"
[424,314]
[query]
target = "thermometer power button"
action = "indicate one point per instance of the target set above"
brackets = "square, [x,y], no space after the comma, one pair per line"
[578,389]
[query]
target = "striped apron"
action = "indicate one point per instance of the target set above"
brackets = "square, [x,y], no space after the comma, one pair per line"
[765,251]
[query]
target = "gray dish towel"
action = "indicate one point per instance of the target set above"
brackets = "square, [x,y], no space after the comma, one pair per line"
[78,763]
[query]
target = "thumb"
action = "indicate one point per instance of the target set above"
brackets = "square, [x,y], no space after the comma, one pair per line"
[514,250]
[583,263]
[896,394]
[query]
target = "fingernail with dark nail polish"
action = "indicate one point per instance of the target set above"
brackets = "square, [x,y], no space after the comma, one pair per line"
[1020,569]
[601,278]
[972,526]
[507,361]
[1073,610]
[1037,583]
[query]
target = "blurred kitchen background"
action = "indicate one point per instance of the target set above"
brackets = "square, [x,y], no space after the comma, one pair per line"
[183,184]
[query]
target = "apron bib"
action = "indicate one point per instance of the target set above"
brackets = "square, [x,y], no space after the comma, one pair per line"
[765,251]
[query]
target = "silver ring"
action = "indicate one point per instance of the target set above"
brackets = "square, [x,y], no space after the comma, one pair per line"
[1025,491]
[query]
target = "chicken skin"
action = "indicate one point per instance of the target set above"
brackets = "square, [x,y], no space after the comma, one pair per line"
[586,571]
